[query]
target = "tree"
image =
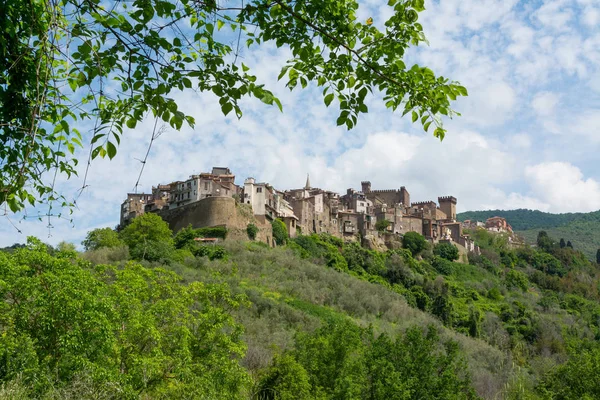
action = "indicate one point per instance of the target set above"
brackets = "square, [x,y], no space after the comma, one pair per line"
[280,234]
[252,231]
[569,244]
[101,237]
[136,332]
[59,60]
[148,238]
[446,250]
[414,242]
[562,243]
[598,256]
[382,225]
[544,242]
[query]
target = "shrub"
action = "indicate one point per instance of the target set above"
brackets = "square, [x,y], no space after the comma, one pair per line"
[107,255]
[516,279]
[414,242]
[149,238]
[219,232]
[280,234]
[102,237]
[382,225]
[446,250]
[251,230]
[442,265]
[127,329]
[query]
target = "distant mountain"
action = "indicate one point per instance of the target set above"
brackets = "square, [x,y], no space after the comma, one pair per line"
[582,229]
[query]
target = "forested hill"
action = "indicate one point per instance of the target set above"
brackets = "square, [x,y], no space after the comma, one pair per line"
[523,219]
[581,229]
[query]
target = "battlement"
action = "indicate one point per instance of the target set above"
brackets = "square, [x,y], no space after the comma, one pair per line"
[423,203]
[445,199]
[365,182]
[385,191]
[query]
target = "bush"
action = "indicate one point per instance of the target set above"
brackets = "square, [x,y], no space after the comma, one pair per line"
[219,232]
[414,242]
[251,230]
[280,234]
[149,238]
[442,265]
[446,250]
[107,255]
[102,237]
[382,225]
[131,330]
[516,279]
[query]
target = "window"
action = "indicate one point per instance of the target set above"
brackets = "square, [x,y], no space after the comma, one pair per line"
[258,190]
[205,185]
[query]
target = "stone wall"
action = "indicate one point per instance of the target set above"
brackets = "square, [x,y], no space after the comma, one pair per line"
[218,211]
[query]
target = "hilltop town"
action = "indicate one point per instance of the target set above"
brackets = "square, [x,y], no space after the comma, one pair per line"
[214,199]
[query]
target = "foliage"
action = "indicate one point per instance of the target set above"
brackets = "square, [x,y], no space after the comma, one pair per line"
[58,60]
[442,265]
[382,225]
[136,331]
[280,233]
[579,228]
[414,242]
[252,231]
[148,238]
[344,361]
[219,232]
[516,279]
[446,250]
[101,237]
[544,242]
[578,378]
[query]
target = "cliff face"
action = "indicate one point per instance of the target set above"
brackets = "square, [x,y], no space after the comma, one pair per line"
[218,211]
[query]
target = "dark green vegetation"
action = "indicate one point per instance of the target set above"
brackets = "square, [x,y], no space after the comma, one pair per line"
[314,319]
[58,57]
[581,229]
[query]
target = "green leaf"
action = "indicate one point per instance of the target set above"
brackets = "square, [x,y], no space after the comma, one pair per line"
[220,24]
[226,108]
[111,150]
[426,126]
[328,99]
[131,123]
[415,116]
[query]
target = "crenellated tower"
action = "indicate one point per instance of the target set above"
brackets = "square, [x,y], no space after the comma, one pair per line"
[448,206]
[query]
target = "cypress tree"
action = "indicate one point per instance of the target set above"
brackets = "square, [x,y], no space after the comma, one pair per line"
[562,243]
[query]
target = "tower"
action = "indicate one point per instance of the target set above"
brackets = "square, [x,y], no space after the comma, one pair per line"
[448,206]
[366,187]
[404,197]
[307,186]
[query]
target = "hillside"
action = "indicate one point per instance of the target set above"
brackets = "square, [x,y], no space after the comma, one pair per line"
[579,228]
[145,314]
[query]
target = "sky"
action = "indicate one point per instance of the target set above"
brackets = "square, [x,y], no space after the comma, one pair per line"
[527,138]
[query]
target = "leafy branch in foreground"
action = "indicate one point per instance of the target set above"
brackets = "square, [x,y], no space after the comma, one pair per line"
[68,62]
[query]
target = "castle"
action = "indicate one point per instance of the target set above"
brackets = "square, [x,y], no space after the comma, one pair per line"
[213,199]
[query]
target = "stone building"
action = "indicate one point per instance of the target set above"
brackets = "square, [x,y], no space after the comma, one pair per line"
[134,206]
[498,224]
[217,183]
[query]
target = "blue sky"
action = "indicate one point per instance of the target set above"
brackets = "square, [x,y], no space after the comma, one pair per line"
[528,136]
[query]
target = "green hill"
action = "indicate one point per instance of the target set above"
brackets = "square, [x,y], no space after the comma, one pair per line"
[163,317]
[582,229]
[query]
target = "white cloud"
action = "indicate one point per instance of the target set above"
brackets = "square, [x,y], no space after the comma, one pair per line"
[544,103]
[517,59]
[563,187]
